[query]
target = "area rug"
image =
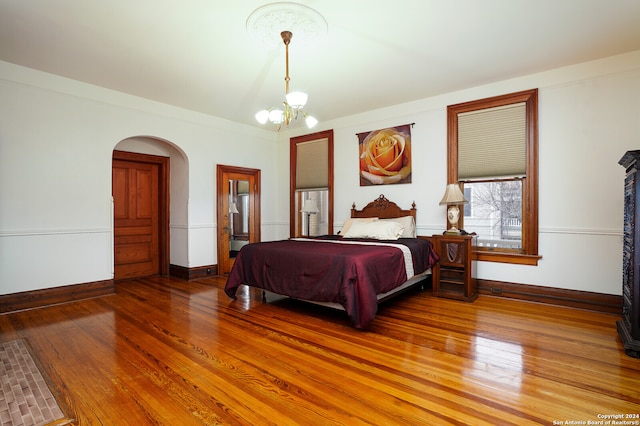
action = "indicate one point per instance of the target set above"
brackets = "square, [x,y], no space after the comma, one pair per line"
[25,398]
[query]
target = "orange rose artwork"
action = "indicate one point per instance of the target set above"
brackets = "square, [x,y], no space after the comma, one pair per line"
[385,156]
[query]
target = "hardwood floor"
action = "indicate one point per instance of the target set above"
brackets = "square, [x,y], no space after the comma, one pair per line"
[170,352]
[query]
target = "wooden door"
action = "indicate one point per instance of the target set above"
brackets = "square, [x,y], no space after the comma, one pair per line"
[247,212]
[138,216]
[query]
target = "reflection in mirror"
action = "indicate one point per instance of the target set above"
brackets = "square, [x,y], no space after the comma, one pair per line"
[314,212]
[238,215]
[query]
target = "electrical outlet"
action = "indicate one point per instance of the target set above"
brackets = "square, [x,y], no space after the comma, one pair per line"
[495,290]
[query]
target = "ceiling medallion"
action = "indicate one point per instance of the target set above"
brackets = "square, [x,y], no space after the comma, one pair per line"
[268,21]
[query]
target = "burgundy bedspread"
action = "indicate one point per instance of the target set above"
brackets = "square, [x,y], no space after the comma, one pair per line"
[349,274]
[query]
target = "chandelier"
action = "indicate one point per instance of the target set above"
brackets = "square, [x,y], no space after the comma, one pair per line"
[293,103]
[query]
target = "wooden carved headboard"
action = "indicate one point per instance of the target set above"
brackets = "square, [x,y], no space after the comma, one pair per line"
[384,209]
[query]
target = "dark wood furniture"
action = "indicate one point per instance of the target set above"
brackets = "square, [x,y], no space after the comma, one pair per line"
[453,275]
[383,209]
[366,275]
[629,325]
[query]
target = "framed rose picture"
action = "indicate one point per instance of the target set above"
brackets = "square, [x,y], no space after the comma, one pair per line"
[385,156]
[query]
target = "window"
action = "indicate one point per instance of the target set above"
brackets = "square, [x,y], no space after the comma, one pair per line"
[493,152]
[469,196]
[497,213]
[311,184]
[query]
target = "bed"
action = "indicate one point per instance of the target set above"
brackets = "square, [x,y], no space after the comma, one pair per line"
[375,256]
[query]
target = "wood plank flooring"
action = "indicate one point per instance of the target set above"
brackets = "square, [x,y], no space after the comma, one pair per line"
[164,351]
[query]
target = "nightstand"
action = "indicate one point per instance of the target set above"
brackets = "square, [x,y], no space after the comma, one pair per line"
[453,275]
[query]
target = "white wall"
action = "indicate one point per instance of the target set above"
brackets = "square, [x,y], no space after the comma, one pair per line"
[57,137]
[589,116]
[56,141]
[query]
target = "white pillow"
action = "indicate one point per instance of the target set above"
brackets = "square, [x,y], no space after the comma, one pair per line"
[352,220]
[408,223]
[379,230]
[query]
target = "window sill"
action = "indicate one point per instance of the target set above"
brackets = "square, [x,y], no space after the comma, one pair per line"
[505,257]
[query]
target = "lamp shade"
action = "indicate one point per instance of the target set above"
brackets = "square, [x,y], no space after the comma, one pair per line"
[309,206]
[311,121]
[262,116]
[453,195]
[233,208]
[276,116]
[297,99]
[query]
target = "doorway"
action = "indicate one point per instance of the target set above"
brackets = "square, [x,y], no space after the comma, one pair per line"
[238,211]
[140,189]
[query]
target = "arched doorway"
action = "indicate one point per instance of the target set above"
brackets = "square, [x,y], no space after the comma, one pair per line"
[145,172]
[140,190]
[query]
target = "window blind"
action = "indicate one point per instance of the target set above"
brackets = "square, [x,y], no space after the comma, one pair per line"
[492,142]
[243,186]
[312,165]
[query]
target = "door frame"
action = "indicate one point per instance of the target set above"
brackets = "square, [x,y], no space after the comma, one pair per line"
[163,201]
[223,173]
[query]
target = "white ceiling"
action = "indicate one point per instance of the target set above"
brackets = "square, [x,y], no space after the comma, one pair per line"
[198,55]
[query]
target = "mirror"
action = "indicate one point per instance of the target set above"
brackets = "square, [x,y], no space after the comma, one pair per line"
[238,212]
[239,208]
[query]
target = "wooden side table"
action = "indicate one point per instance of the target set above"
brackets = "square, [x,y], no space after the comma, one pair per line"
[453,274]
